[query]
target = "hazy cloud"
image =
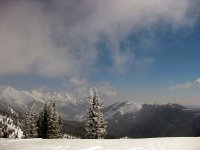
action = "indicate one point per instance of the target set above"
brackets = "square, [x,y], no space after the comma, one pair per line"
[197,83]
[80,87]
[182,86]
[58,38]
[186,85]
[106,89]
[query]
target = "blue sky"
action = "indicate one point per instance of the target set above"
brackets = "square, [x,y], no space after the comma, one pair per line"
[146,52]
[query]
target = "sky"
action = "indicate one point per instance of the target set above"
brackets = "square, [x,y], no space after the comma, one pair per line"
[143,51]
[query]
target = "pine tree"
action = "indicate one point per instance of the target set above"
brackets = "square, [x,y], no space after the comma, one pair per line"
[29,123]
[95,123]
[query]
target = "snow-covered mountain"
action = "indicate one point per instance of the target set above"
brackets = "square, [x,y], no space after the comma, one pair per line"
[122,108]
[121,116]
[71,107]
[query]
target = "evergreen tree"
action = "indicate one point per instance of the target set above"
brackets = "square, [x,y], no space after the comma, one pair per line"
[49,122]
[89,125]
[29,123]
[60,125]
[53,121]
[95,124]
[42,122]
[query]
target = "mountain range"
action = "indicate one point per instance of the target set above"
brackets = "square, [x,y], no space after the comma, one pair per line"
[70,107]
[128,118]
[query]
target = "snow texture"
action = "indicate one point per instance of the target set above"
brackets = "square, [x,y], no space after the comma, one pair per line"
[180,143]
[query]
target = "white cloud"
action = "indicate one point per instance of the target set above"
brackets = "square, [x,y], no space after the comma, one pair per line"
[58,38]
[182,86]
[186,85]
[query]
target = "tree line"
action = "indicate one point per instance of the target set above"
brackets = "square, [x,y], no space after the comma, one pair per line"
[48,124]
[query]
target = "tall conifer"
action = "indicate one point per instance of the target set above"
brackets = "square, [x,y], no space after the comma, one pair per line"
[95,124]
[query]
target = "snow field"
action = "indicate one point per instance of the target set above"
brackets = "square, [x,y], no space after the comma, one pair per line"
[178,143]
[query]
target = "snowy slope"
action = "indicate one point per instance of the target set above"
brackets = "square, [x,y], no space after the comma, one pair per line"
[10,126]
[183,143]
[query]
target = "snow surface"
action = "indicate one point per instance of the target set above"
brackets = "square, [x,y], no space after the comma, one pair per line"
[179,143]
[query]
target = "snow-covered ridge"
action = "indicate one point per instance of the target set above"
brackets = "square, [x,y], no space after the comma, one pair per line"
[130,107]
[122,108]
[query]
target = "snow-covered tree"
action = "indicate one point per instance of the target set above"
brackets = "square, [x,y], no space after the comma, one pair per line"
[60,122]
[50,122]
[54,129]
[29,123]
[95,124]
[7,128]
[42,122]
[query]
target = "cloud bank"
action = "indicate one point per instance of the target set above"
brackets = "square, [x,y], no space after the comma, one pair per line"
[59,38]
